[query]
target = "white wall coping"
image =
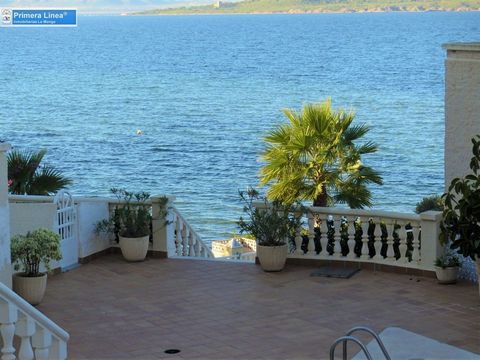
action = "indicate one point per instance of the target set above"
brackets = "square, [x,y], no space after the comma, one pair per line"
[473,46]
[4,147]
[77,199]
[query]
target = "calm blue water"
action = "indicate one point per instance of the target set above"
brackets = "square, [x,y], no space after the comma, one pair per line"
[204,89]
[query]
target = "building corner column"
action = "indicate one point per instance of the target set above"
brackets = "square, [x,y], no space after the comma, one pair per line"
[5,262]
[462,106]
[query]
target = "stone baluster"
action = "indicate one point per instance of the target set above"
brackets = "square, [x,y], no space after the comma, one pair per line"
[185,234]
[337,249]
[365,251]
[8,317]
[58,351]
[311,234]
[390,240]
[191,244]
[351,238]
[41,341]
[198,248]
[25,330]
[324,238]
[378,240]
[179,231]
[298,241]
[416,244]
[403,247]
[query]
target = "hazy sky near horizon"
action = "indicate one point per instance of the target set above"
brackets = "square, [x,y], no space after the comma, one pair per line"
[98,5]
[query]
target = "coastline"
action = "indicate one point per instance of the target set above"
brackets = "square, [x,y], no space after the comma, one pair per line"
[300,12]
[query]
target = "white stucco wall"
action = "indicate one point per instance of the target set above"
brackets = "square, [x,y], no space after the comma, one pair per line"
[89,213]
[462,106]
[5,267]
[26,217]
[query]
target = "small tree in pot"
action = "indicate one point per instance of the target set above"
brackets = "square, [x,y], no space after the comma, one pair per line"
[28,252]
[272,225]
[131,223]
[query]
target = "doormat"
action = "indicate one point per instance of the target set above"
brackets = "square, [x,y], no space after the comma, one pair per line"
[335,272]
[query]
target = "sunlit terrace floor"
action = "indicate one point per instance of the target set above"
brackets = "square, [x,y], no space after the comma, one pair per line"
[214,310]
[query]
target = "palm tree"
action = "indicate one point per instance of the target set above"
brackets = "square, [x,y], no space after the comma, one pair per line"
[314,157]
[27,176]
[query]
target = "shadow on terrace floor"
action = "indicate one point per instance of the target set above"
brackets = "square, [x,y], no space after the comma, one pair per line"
[215,310]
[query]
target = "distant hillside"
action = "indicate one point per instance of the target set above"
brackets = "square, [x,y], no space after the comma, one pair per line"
[320,6]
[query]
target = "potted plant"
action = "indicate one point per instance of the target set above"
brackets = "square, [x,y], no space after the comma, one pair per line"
[28,252]
[272,226]
[130,222]
[461,214]
[446,267]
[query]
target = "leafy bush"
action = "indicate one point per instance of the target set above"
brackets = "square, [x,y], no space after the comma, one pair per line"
[431,202]
[272,225]
[131,218]
[461,216]
[28,251]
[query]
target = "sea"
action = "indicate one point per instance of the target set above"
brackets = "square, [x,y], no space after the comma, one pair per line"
[179,105]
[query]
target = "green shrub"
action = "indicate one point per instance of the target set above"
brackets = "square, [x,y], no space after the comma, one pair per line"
[431,202]
[272,225]
[29,251]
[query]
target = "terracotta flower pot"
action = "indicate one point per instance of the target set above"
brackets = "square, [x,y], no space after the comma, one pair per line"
[32,289]
[272,258]
[446,275]
[134,249]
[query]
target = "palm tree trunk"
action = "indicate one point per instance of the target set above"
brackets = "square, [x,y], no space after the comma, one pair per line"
[321,199]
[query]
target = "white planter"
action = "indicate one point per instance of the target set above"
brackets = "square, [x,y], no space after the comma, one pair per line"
[134,249]
[446,275]
[272,258]
[32,289]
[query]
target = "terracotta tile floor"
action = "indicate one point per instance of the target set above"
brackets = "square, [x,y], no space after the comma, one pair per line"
[212,310]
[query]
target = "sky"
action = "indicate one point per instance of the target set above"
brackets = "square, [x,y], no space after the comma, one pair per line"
[101,6]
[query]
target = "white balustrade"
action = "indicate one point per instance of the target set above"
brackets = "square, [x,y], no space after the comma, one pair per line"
[365,253]
[40,338]
[354,232]
[377,233]
[298,242]
[351,238]
[187,242]
[311,234]
[324,238]
[390,241]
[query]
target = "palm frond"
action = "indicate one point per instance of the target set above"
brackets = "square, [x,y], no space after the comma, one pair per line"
[314,156]
[48,181]
[29,177]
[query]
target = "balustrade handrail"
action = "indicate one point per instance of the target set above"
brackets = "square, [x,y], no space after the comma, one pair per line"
[30,198]
[192,231]
[354,212]
[10,296]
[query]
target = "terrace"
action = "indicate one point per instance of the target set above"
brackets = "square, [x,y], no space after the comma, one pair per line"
[221,310]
